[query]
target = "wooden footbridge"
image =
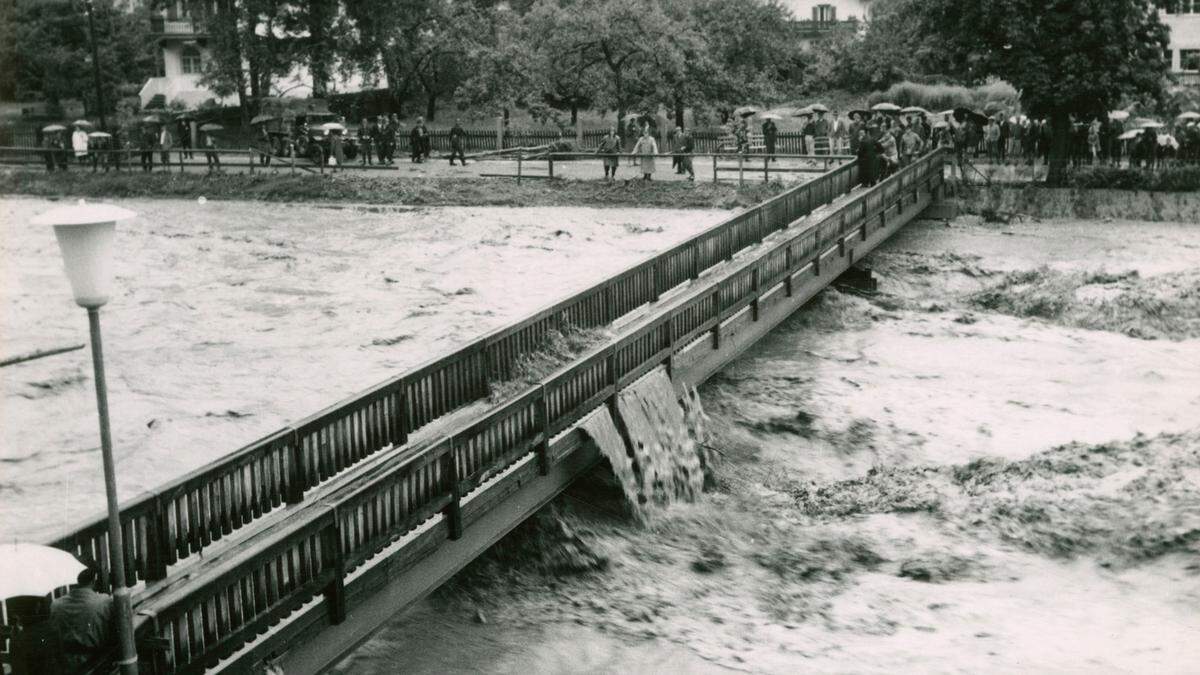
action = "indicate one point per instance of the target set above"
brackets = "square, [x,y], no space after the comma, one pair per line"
[290,551]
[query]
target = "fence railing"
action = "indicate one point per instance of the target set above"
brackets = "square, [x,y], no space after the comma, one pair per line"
[222,608]
[183,517]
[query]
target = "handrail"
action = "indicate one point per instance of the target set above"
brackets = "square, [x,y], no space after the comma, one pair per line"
[186,515]
[217,612]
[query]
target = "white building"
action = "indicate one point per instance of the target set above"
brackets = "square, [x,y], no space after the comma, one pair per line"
[827,11]
[1183,18]
[184,55]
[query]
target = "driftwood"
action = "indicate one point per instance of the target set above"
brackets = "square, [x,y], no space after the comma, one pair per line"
[41,353]
[492,153]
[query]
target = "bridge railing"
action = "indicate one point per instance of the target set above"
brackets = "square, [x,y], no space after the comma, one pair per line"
[188,514]
[216,613]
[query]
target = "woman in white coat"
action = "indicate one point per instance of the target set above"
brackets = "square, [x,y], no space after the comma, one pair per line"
[79,143]
[646,148]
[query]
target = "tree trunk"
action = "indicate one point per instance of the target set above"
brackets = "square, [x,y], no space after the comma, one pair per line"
[320,14]
[430,106]
[574,113]
[1060,140]
[678,112]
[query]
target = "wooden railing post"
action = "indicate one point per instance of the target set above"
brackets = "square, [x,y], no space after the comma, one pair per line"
[714,158]
[741,168]
[335,592]
[543,447]
[157,542]
[297,471]
[454,508]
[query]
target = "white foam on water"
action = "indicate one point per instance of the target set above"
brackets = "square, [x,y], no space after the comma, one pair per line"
[665,451]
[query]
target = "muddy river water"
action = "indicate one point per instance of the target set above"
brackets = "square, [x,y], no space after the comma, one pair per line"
[991,465]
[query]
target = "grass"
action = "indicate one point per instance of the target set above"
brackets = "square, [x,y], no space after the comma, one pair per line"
[385,190]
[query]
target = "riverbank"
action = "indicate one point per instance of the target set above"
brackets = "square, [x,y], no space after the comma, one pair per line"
[351,188]
[1006,202]
[981,467]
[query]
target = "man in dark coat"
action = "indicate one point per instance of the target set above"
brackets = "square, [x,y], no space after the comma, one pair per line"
[417,139]
[458,137]
[147,148]
[770,133]
[686,145]
[83,620]
[868,154]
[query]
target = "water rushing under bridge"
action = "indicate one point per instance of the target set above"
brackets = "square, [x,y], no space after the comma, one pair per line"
[292,550]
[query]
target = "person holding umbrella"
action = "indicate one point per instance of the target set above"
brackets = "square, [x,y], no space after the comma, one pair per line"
[458,137]
[42,639]
[52,145]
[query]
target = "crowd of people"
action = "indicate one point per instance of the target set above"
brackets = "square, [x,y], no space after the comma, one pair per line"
[61,146]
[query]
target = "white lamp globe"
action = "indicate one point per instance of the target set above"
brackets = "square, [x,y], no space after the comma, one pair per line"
[85,237]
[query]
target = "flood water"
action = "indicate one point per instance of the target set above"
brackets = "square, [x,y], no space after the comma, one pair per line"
[231,319]
[991,465]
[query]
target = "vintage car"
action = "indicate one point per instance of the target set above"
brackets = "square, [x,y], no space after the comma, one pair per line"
[304,127]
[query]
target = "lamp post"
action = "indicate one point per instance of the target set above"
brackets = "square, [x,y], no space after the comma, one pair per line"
[85,235]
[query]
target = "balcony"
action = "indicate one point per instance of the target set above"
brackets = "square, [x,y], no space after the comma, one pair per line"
[174,27]
[808,29]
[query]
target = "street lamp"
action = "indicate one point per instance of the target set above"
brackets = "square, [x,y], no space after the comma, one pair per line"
[85,235]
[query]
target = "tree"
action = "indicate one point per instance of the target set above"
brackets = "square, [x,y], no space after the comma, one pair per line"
[1070,59]
[48,56]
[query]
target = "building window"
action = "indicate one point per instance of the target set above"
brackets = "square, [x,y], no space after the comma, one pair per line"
[1189,59]
[191,61]
[1179,6]
[824,13]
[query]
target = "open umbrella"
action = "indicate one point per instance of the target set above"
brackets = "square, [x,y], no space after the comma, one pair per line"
[1118,115]
[211,126]
[151,119]
[746,111]
[1130,135]
[1190,115]
[819,107]
[99,134]
[331,127]
[963,114]
[81,123]
[915,110]
[34,569]
[886,107]
[862,114]
[1146,123]
[54,127]
[259,119]
[772,116]
[806,111]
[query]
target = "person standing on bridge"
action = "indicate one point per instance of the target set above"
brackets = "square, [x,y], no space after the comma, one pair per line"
[83,620]
[646,148]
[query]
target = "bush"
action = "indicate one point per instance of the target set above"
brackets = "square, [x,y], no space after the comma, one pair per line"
[993,96]
[1173,179]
